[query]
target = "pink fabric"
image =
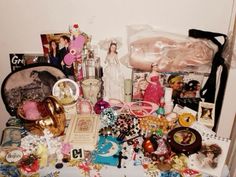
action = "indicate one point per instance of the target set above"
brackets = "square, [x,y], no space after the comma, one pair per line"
[31,111]
[69,59]
[76,47]
[154,92]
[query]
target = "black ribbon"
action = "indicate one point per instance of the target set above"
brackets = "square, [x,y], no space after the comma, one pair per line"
[208,91]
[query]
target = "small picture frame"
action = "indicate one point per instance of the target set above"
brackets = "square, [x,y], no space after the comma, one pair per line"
[66,90]
[11,137]
[47,38]
[139,84]
[206,114]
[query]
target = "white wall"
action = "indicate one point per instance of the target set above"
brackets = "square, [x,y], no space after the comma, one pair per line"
[23,21]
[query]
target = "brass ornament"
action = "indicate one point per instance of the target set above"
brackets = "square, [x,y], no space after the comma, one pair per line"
[55,121]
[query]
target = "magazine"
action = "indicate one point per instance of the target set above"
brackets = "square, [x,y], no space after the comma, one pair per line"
[212,155]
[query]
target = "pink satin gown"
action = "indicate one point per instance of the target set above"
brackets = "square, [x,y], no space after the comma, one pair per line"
[154,92]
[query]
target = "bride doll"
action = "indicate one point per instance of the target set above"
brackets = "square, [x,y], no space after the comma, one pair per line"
[113,79]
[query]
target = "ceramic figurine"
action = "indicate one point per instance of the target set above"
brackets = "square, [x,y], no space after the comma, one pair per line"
[154,91]
[113,79]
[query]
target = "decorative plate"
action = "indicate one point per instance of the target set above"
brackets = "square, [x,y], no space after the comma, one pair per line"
[184,140]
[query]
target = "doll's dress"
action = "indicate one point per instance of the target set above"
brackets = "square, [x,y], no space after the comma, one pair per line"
[154,92]
[113,79]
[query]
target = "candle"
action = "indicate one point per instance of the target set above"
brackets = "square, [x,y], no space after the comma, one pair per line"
[168,94]
[127,90]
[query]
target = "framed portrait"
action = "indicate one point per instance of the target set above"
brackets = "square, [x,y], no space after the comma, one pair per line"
[47,38]
[206,114]
[140,83]
[11,137]
[66,90]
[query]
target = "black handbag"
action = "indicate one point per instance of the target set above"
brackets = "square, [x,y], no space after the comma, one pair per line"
[208,91]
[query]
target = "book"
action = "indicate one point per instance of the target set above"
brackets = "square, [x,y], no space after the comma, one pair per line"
[212,155]
[83,131]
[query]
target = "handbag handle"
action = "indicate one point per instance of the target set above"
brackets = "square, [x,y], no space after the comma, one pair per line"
[209,89]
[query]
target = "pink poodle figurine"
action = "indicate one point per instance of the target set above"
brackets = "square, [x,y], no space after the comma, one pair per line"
[154,91]
[75,51]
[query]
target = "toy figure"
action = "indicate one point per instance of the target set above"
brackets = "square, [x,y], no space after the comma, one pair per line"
[161,111]
[154,91]
[113,79]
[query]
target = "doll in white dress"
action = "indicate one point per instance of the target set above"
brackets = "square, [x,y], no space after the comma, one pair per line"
[113,79]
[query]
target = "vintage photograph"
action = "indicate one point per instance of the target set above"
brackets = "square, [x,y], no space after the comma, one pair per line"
[55,47]
[206,114]
[11,137]
[184,84]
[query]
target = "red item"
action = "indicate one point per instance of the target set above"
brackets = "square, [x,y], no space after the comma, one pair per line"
[29,164]
[154,92]
[76,26]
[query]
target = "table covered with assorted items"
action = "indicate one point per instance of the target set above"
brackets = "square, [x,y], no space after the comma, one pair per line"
[80,119]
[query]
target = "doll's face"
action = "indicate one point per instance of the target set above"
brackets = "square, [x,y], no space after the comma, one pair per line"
[113,48]
[155,68]
[15,135]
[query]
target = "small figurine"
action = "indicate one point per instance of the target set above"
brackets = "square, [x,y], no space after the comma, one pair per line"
[161,110]
[120,157]
[154,91]
[113,79]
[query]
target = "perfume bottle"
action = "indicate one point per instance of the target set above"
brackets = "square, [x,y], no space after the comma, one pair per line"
[90,65]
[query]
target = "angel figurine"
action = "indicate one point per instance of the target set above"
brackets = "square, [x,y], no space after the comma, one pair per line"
[113,79]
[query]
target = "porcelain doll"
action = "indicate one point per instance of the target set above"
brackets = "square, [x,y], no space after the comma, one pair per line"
[113,79]
[154,91]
